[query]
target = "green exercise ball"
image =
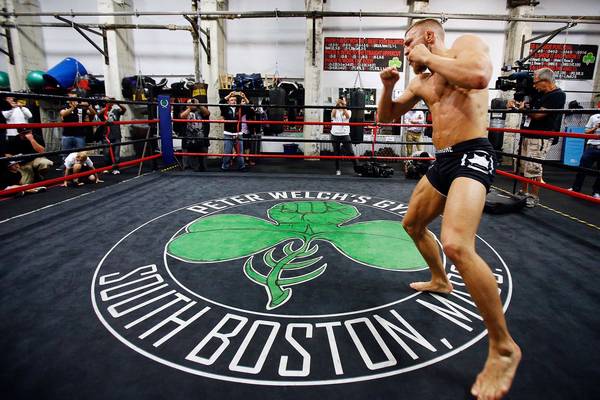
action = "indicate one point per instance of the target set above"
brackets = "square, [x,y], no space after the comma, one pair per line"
[4,81]
[35,79]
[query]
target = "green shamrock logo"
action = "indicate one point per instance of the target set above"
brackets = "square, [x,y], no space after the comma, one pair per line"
[296,226]
[395,62]
[589,58]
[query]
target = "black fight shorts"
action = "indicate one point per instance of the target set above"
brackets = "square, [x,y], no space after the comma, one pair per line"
[473,159]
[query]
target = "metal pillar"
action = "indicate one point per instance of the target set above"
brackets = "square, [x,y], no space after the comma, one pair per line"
[313,74]
[516,33]
[216,65]
[119,61]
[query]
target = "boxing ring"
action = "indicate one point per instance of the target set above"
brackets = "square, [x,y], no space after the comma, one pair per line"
[103,296]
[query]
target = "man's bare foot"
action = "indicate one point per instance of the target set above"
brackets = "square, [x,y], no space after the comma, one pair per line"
[432,286]
[496,378]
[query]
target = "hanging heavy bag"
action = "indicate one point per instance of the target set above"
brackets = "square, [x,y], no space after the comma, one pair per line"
[497,120]
[276,98]
[357,99]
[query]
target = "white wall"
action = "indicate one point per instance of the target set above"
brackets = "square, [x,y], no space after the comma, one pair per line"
[256,45]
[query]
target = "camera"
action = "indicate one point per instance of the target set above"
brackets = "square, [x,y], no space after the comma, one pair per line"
[521,82]
[374,169]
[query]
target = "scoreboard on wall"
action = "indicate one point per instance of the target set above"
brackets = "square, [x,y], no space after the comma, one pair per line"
[568,61]
[364,54]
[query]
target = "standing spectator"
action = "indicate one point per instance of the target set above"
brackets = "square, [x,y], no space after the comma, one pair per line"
[75,111]
[4,106]
[196,134]
[590,156]
[248,130]
[112,133]
[76,163]
[232,130]
[25,142]
[18,114]
[537,146]
[340,134]
[413,133]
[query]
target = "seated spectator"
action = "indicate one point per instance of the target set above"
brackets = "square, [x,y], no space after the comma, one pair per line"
[196,134]
[232,130]
[76,163]
[590,156]
[11,177]
[25,142]
[18,114]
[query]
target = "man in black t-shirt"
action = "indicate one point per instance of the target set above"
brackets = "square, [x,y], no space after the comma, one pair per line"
[73,137]
[537,146]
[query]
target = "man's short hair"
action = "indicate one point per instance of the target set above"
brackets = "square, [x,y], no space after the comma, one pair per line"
[545,74]
[430,23]
[82,155]
[23,130]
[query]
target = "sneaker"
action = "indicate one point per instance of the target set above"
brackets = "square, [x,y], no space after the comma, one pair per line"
[521,193]
[531,201]
[596,195]
[338,172]
[116,172]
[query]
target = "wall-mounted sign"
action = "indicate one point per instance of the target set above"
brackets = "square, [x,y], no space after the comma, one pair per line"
[374,54]
[568,61]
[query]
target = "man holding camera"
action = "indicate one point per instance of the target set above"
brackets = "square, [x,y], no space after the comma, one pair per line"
[340,134]
[111,134]
[74,136]
[537,146]
[18,114]
[196,134]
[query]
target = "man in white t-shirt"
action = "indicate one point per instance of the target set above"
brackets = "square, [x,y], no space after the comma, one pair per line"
[18,114]
[590,156]
[413,133]
[340,134]
[79,162]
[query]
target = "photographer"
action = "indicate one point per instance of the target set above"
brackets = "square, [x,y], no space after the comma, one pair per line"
[17,114]
[196,134]
[74,136]
[537,146]
[111,135]
[340,134]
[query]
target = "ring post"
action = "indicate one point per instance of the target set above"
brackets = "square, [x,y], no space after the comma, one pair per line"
[166,129]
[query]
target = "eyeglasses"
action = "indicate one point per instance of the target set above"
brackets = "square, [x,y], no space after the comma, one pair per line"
[538,81]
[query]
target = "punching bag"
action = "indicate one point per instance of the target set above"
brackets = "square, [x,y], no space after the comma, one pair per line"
[276,98]
[497,120]
[357,99]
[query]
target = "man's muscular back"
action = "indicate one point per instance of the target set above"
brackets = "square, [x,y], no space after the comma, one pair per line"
[458,114]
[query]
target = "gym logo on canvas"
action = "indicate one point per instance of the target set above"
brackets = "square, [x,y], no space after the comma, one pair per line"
[285,288]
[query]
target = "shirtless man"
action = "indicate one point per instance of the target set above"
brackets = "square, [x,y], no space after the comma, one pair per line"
[456,92]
